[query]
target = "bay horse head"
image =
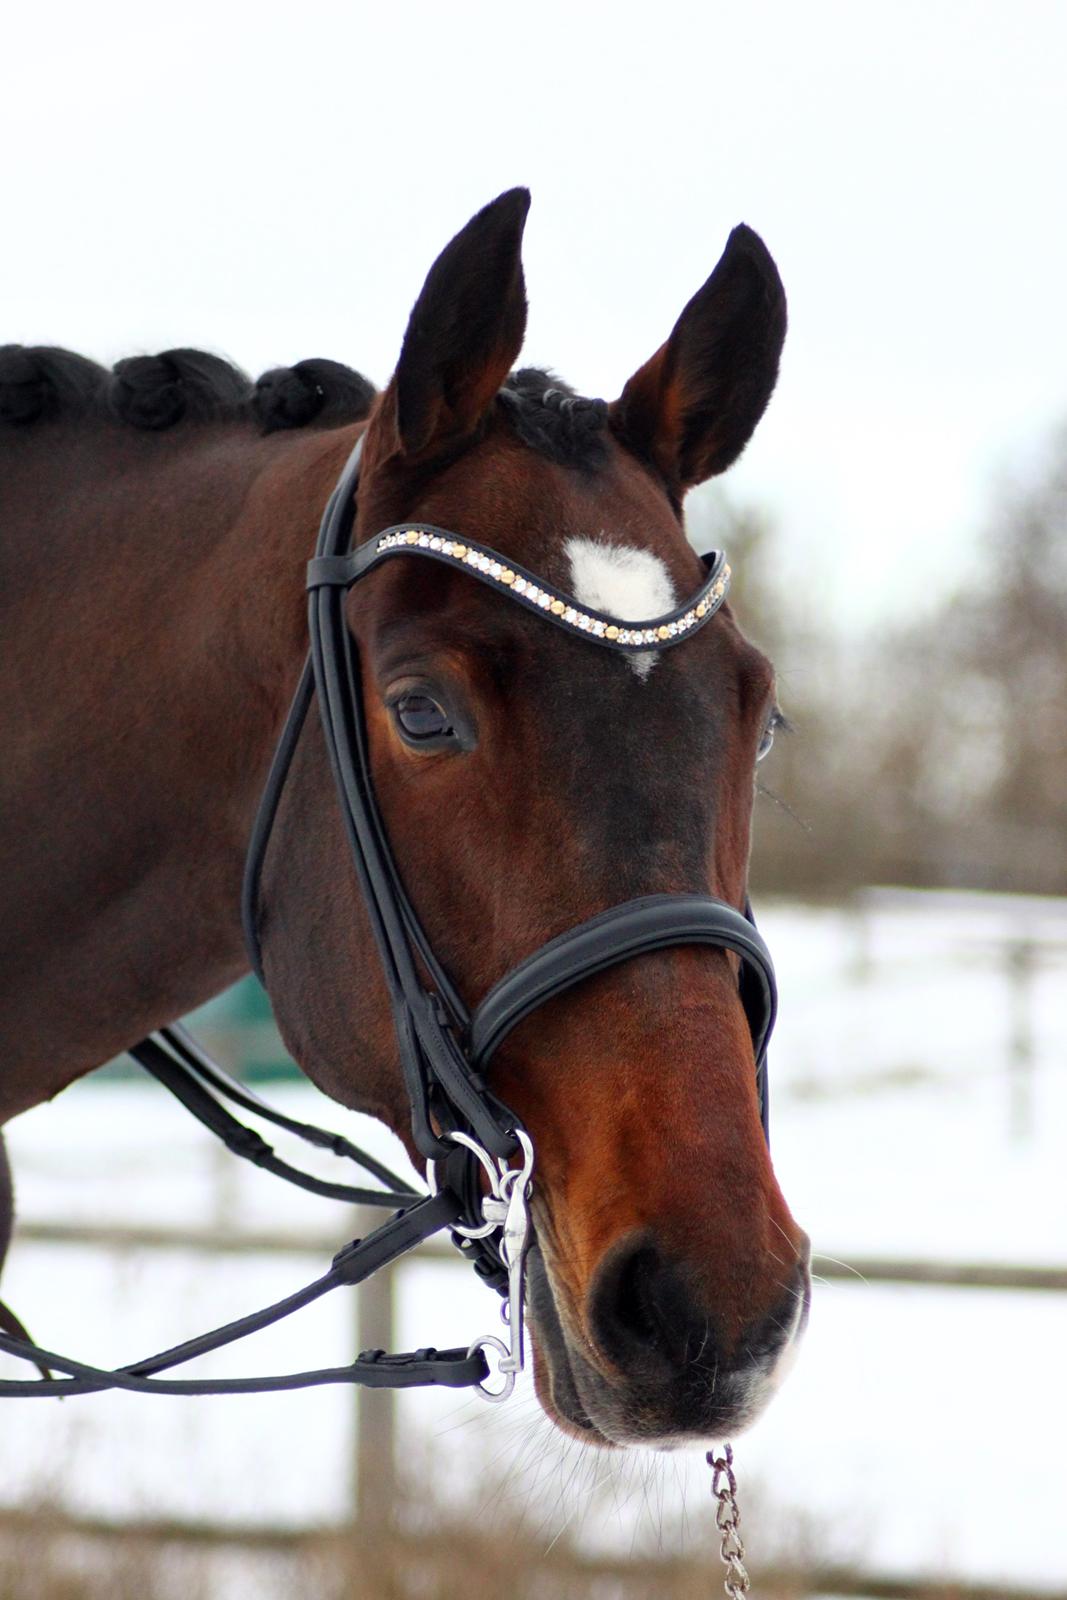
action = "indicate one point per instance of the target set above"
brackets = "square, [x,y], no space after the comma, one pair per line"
[528,781]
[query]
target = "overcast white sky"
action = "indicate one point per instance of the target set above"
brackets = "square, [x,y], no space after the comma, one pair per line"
[272,181]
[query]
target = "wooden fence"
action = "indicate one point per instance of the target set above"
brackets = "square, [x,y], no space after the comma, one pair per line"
[374,1450]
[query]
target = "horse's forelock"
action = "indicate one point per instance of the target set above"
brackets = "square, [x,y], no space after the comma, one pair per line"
[552,419]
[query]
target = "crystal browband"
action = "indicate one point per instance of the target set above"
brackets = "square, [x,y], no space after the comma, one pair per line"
[490,567]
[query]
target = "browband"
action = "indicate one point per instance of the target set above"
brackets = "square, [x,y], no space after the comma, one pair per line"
[490,567]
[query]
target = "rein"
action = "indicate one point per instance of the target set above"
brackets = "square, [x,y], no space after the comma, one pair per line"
[469,1138]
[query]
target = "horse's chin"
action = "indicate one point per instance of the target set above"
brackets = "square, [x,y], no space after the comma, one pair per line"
[554,1379]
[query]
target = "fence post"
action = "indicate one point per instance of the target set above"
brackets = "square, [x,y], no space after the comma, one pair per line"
[859,964]
[374,1485]
[1022,961]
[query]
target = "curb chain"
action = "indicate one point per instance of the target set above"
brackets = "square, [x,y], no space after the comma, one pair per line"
[727,1518]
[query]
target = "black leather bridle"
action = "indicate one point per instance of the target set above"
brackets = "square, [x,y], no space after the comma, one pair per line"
[445,1049]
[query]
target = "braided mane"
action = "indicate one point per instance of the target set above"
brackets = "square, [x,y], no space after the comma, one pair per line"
[42,383]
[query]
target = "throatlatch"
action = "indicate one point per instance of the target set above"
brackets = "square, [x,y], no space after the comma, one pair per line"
[470,1139]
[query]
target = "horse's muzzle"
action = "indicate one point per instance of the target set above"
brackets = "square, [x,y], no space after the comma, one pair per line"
[650,1365]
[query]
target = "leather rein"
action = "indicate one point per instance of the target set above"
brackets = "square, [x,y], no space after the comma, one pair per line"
[469,1138]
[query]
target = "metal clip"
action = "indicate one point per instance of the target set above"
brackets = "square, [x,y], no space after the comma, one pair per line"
[514,1242]
[507,1207]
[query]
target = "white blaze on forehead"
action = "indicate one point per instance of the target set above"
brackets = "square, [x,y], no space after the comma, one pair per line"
[633,585]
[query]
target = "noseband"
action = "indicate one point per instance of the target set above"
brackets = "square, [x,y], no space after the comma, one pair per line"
[467,1135]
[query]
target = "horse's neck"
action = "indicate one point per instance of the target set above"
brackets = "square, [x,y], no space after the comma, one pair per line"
[154,636]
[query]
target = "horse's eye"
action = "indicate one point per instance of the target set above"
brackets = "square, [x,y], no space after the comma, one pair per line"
[421,718]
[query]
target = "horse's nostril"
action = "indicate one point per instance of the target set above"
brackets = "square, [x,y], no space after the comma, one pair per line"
[640,1306]
[635,1309]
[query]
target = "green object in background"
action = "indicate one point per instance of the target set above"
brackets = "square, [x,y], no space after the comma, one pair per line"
[238,1028]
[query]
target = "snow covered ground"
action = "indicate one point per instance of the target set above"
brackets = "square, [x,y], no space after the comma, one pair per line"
[921,1429]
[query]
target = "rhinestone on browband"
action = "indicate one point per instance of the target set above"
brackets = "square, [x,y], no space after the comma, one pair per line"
[492,568]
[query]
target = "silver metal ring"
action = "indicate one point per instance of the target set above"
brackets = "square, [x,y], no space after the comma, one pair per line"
[494,1396]
[486,1162]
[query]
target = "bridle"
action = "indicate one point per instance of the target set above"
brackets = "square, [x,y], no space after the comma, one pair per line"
[467,1135]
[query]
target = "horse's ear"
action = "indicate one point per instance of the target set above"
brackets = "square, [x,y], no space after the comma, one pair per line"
[691,410]
[464,334]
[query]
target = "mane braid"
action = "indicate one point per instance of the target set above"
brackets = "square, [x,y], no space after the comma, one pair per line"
[155,393]
[319,391]
[177,386]
[553,420]
[42,381]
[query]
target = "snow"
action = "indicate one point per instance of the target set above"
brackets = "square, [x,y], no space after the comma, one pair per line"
[919,1430]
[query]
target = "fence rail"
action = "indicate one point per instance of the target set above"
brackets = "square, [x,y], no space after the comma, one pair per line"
[921,1272]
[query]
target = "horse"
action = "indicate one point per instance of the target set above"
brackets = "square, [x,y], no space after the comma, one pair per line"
[156,522]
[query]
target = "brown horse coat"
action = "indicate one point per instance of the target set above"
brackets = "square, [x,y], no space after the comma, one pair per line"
[153,622]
